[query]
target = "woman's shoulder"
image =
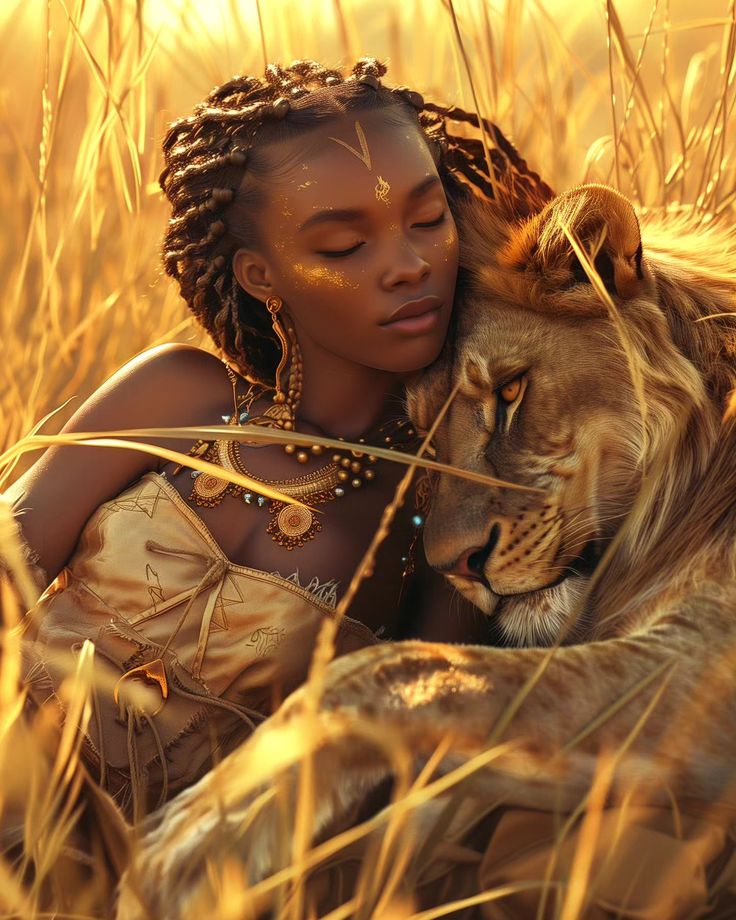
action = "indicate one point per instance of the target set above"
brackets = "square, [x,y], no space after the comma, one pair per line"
[178,354]
[168,386]
[196,375]
[161,383]
[171,385]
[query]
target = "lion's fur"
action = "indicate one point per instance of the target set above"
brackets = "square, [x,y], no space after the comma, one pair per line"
[672,329]
[647,671]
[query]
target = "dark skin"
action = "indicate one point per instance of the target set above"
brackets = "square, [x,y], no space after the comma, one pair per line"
[407,248]
[399,246]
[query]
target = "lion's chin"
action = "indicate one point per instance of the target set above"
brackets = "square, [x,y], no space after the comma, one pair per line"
[537,618]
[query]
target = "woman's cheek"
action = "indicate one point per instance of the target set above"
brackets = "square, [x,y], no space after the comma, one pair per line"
[448,246]
[312,276]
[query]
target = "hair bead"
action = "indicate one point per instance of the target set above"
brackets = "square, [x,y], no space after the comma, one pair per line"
[222,195]
[369,79]
[414,98]
[216,229]
[237,157]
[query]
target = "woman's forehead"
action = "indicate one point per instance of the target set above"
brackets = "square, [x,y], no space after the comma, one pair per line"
[350,160]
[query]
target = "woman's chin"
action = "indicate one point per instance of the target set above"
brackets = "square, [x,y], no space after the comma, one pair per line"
[414,356]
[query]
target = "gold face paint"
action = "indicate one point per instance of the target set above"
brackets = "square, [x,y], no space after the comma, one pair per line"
[382,187]
[382,190]
[365,155]
[319,276]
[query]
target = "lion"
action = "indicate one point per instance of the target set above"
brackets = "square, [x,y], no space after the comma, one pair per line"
[592,365]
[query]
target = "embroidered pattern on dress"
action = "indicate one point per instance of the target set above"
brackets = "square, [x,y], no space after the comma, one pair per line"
[325,592]
[136,501]
[229,596]
[155,591]
[266,639]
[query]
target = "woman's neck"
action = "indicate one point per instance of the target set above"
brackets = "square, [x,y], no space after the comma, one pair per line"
[345,399]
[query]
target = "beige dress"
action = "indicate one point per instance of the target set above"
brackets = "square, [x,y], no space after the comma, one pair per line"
[148,582]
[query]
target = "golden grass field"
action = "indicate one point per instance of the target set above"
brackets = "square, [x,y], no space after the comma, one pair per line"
[637,95]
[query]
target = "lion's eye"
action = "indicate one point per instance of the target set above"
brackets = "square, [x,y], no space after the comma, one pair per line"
[509,392]
[508,400]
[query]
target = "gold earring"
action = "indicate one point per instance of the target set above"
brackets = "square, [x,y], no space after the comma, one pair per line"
[283,410]
[273,305]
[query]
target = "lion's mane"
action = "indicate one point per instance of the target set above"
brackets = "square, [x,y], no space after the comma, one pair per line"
[675,314]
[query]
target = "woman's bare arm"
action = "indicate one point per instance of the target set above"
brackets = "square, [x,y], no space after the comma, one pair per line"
[170,385]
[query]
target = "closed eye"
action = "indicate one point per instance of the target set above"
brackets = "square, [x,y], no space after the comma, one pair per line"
[434,223]
[341,252]
[337,254]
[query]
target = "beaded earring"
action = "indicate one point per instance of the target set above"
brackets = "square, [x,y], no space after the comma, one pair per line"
[282,414]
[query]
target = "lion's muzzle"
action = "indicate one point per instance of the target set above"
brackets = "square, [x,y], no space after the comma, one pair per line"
[520,553]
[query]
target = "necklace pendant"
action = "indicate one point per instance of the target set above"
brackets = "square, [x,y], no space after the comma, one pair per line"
[209,490]
[291,525]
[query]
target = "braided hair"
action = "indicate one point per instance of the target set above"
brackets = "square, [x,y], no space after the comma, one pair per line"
[215,176]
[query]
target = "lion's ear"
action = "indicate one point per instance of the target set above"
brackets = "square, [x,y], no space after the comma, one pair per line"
[598,212]
[604,223]
[620,260]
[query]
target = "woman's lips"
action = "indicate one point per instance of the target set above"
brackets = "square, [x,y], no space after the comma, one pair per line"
[412,325]
[415,316]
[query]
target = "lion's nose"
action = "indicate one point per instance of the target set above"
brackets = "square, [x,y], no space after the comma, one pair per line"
[472,563]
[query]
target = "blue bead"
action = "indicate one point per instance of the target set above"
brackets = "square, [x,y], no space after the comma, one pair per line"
[417,520]
[244,416]
[196,473]
[261,501]
[226,419]
[247,497]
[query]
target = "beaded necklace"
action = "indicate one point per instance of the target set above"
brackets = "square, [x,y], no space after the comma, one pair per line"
[292,525]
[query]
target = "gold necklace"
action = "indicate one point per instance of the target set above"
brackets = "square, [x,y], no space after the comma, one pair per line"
[291,525]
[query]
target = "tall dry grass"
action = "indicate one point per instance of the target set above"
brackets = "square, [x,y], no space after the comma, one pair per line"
[640,96]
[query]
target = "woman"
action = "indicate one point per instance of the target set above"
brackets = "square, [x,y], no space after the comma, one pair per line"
[312,236]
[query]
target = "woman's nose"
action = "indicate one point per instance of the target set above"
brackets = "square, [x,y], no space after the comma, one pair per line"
[407,265]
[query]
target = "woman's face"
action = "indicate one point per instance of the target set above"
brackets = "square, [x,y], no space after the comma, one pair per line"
[357,226]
